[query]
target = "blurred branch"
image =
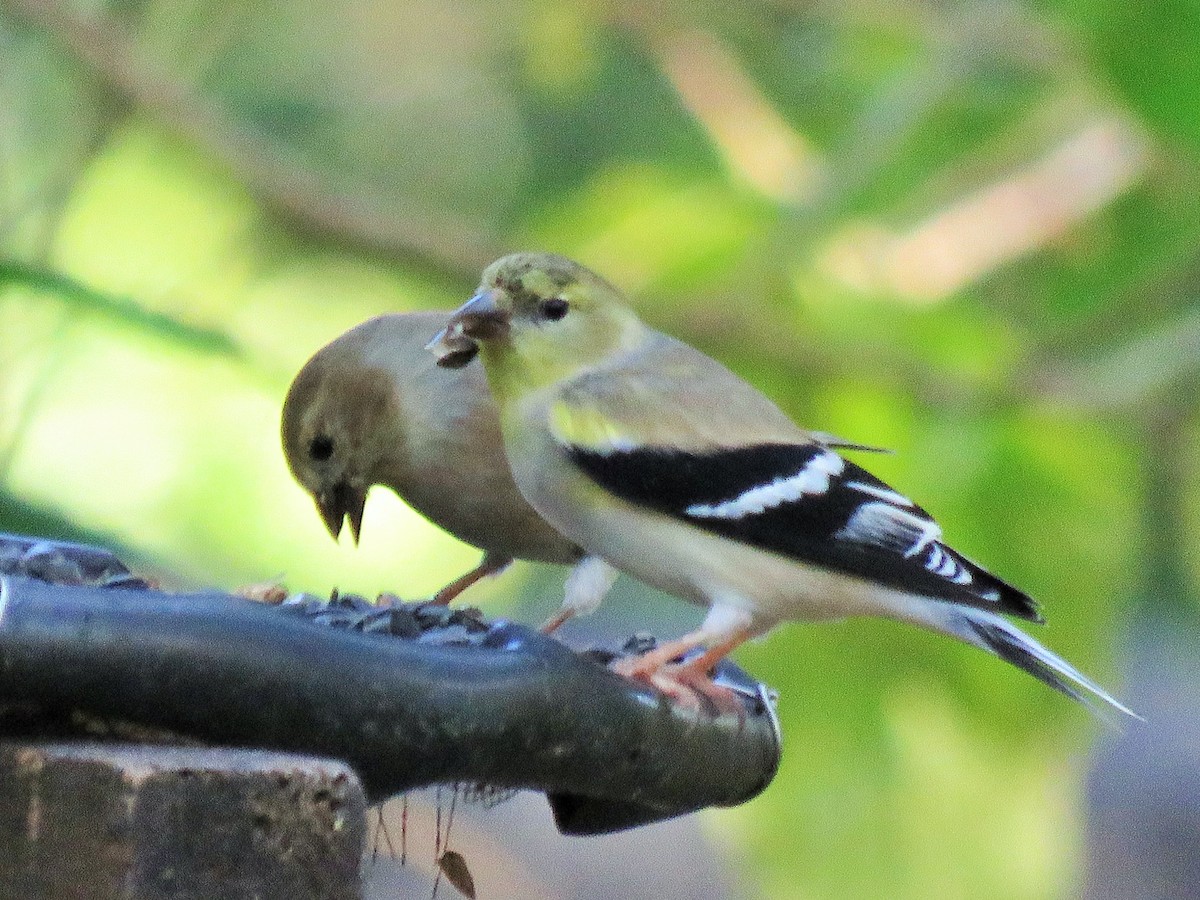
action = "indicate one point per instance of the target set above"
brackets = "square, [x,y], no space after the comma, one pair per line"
[51,200]
[1012,216]
[1167,588]
[1155,362]
[86,299]
[297,194]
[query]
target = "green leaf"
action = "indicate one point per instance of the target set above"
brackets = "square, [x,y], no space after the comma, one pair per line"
[122,309]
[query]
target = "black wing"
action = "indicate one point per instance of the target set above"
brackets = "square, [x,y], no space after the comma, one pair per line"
[806,502]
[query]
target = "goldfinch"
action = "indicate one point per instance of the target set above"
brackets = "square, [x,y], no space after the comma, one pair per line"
[658,459]
[372,408]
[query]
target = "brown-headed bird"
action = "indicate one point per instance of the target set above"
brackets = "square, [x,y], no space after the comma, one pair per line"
[661,461]
[373,408]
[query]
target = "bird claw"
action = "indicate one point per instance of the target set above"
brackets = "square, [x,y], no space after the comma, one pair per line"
[685,685]
[721,700]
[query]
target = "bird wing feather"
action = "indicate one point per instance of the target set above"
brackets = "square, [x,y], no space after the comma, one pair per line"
[729,469]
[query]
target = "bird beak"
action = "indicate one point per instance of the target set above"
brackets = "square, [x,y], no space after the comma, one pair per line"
[341,502]
[479,319]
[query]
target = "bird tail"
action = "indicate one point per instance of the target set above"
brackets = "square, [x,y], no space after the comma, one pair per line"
[990,632]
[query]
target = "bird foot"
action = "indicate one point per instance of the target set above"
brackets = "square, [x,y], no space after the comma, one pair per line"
[684,684]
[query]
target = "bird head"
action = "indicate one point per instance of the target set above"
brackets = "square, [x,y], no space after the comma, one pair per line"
[540,312]
[335,433]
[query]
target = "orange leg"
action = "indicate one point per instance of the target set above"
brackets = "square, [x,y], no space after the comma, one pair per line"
[689,681]
[652,661]
[704,663]
[488,566]
[557,621]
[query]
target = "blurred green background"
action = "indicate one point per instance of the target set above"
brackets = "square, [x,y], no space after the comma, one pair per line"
[968,232]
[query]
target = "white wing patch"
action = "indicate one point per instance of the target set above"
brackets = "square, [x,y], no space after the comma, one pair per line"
[893,528]
[881,492]
[812,479]
[939,562]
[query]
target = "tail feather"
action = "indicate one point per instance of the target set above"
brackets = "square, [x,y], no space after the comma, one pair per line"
[992,633]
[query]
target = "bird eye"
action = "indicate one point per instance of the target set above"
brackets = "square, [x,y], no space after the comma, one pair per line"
[554,308]
[321,448]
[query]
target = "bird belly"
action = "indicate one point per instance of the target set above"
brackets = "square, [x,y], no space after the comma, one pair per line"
[706,569]
[492,515]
